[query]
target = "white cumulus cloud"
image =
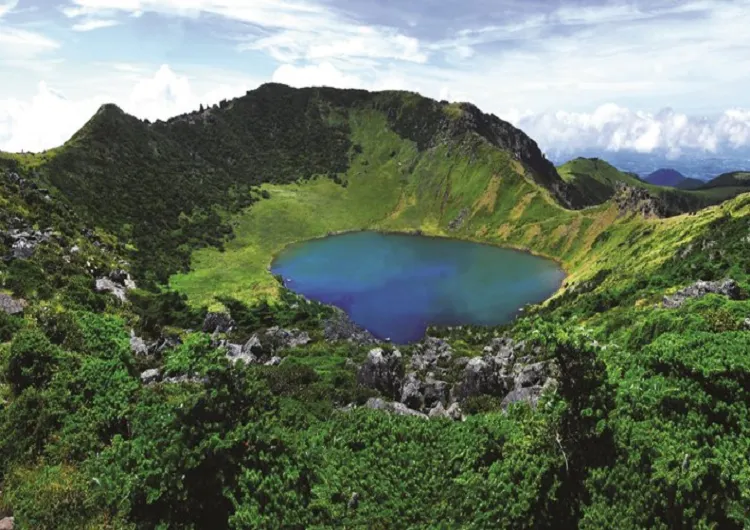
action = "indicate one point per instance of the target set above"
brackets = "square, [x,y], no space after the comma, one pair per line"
[615,128]
[48,119]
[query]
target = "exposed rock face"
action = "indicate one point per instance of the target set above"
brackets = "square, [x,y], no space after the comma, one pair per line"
[23,241]
[699,289]
[383,371]
[341,328]
[505,371]
[630,199]
[117,283]
[10,305]
[218,323]
[281,339]
[261,348]
[430,354]
[412,393]
[7,523]
[458,222]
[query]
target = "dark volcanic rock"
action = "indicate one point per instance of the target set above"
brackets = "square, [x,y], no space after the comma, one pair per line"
[218,322]
[412,392]
[458,222]
[383,371]
[341,328]
[728,288]
[10,305]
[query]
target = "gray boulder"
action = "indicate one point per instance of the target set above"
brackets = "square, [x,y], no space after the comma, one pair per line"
[105,285]
[253,346]
[699,289]
[273,361]
[150,376]
[383,371]
[117,282]
[455,412]
[438,412]
[435,391]
[411,392]
[282,339]
[7,523]
[431,353]
[530,375]
[482,375]
[10,305]
[528,394]
[137,345]
[398,409]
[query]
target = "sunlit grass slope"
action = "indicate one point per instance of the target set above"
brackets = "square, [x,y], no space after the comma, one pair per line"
[472,191]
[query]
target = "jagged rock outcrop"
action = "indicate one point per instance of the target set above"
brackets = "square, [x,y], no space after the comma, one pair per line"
[507,370]
[430,354]
[218,323]
[262,348]
[699,289]
[24,241]
[631,199]
[282,339]
[383,370]
[10,305]
[341,328]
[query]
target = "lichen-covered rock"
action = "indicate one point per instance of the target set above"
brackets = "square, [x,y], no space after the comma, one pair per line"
[383,371]
[435,391]
[411,392]
[10,305]
[431,353]
[699,289]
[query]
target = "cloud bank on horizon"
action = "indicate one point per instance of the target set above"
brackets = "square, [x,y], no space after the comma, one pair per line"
[576,75]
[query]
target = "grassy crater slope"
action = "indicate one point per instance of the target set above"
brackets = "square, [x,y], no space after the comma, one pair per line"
[469,189]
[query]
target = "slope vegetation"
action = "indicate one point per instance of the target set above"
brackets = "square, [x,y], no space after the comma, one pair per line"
[620,403]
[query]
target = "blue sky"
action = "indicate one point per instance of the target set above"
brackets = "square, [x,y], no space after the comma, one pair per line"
[644,75]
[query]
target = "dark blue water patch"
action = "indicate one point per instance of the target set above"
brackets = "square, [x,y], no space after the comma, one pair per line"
[395,285]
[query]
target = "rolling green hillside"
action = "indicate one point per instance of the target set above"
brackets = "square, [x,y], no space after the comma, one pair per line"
[736,179]
[125,406]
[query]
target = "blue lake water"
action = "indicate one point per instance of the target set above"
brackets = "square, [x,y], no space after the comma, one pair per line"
[395,285]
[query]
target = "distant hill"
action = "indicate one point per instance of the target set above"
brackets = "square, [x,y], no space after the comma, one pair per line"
[600,181]
[673,178]
[740,179]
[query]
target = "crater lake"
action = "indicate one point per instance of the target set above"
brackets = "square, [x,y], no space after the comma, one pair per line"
[396,285]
